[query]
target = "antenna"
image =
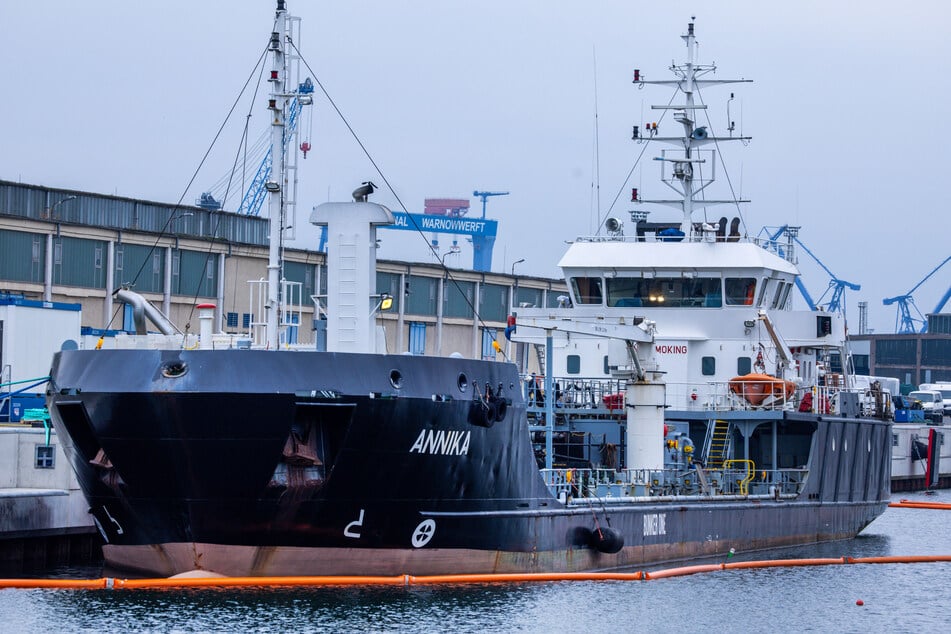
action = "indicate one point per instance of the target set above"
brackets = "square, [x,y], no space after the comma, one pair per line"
[596,185]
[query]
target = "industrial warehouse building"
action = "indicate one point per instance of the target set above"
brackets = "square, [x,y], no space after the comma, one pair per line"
[914,358]
[77,247]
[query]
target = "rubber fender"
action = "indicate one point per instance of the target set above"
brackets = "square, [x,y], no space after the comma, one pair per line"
[607,540]
[481,414]
[501,408]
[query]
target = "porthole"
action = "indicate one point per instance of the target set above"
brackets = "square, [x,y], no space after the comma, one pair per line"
[396,379]
[174,369]
[462,382]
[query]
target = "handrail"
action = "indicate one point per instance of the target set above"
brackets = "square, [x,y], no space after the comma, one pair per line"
[607,485]
[750,473]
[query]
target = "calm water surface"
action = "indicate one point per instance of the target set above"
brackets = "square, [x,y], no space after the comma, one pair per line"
[897,598]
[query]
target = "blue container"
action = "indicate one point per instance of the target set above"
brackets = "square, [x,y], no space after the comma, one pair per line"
[19,404]
[909,415]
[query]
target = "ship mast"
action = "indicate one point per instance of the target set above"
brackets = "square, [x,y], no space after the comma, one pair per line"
[277,104]
[683,165]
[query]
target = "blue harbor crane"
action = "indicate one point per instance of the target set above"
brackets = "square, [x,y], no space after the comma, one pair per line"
[836,285]
[256,194]
[485,196]
[905,323]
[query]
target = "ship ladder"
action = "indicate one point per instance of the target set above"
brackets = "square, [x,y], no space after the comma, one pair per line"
[718,444]
[702,480]
[540,353]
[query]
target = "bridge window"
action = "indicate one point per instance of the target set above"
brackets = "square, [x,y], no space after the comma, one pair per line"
[664,292]
[763,289]
[740,291]
[782,291]
[587,289]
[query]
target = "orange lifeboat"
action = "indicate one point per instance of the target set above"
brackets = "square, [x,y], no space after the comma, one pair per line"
[756,388]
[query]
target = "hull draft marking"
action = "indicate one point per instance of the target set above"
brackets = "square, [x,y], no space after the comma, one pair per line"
[357,523]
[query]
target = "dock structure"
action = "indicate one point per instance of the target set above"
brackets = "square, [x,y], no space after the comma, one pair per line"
[44,518]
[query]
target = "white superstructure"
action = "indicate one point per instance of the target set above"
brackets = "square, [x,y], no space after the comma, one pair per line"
[722,303]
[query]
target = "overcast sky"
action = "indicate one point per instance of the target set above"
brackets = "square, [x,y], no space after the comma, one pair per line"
[848,113]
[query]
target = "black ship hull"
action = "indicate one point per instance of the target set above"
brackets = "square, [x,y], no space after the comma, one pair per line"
[246,462]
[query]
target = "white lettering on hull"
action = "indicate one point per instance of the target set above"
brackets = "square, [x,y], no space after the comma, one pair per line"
[442,442]
[655,524]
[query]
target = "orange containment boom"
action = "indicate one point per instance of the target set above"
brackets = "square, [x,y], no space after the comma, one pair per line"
[913,504]
[408,580]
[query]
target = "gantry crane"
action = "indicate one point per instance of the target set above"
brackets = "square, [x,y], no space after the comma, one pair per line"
[904,321]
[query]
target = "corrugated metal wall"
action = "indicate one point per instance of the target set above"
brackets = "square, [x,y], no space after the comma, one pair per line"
[22,256]
[140,267]
[113,212]
[79,262]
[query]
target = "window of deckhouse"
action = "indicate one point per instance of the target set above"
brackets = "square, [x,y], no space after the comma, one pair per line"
[740,291]
[587,289]
[664,292]
[763,289]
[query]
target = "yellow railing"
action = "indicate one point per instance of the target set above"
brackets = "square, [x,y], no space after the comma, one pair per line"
[750,473]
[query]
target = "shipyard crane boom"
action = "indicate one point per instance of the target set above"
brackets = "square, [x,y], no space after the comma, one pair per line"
[838,286]
[485,196]
[254,198]
[904,322]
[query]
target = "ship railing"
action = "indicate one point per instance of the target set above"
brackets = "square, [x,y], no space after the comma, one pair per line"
[737,479]
[607,396]
[575,392]
[718,396]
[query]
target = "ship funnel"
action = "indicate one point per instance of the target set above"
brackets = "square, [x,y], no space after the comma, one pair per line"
[699,134]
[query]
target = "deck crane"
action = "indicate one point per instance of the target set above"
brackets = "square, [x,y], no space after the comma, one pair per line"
[836,285]
[904,322]
[485,196]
